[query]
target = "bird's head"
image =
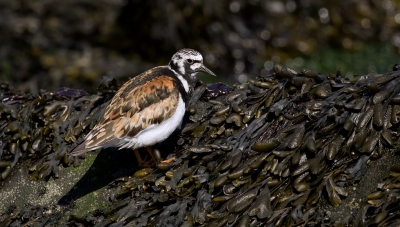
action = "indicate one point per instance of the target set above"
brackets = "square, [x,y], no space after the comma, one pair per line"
[188,62]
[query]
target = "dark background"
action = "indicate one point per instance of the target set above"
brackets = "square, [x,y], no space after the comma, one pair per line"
[73,43]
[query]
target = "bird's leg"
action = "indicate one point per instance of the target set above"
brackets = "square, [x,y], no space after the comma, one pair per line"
[153,159]
[150,151]
[138,157]
[145,164]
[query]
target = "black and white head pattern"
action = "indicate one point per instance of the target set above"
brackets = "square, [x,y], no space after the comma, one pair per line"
[187,62]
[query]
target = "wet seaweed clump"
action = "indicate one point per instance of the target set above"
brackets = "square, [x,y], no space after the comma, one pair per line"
[279,150]
[383,204]
[73,43]
[43,128]
[31,216]
[275,151]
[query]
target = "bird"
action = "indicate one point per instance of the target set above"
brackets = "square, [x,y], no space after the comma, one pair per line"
[148,108]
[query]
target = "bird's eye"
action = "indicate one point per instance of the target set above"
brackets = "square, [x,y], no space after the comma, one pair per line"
[190,61]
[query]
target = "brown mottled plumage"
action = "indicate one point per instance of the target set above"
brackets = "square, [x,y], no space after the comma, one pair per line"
[147,108]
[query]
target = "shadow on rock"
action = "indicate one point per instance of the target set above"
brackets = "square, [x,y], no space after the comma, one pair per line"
[109,165]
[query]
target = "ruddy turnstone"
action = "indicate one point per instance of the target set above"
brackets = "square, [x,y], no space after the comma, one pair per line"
[148,108]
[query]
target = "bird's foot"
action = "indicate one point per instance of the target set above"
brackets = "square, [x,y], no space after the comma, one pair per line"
[147,164]
[168,160]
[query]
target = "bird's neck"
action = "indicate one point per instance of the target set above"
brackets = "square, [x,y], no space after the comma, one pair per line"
[186,80]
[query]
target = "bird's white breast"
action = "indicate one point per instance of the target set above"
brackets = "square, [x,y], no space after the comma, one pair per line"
[156,133]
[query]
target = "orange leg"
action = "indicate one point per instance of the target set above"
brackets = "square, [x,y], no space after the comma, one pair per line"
[150,151]
[138,157]
[153,161]
[142,163]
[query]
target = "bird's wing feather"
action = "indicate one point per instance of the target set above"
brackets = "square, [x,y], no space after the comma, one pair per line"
[133,110]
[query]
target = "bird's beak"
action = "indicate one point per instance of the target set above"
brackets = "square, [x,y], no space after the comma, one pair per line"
[205,70]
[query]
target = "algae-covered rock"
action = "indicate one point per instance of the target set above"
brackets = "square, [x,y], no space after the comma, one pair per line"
[285,149]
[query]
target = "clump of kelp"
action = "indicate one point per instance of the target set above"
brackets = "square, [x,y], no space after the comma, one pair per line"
[43,127]
[268,152]
[72,43]
[383,204]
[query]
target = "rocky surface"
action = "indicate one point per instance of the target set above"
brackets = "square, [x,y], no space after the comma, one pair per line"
[287,149]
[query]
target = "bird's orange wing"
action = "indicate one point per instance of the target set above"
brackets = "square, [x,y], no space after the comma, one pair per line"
[133,109]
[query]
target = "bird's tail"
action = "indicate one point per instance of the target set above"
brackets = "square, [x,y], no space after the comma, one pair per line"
[80,149]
